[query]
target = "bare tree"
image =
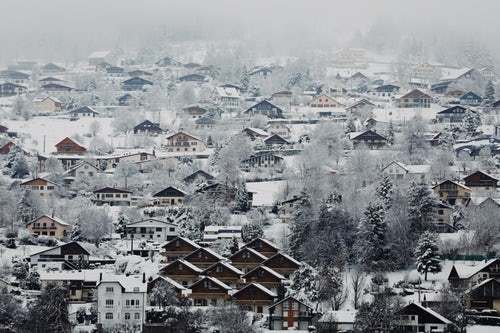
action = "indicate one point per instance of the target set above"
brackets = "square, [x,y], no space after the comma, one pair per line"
[358,282]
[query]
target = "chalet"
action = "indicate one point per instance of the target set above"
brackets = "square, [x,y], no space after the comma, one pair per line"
[265,108]
[362,105]
[290,314]
[247,259]
[213,233]
[286,208]
[48,226]
[456,77]
[11,89]
[6,148]
[263,246]
[112,197]
[484,296]
[48,104]
[414,172]
[416,318]
[275,140]
[42,187]
[480,179]
[115,71]
[260,72]
[386,90]
[70,146]
[67,256]
[370,138]
[82,170]
[454,114]
[80,285]
[226,273]
[50,79]
[209,291]
[16,77]
[279,128]
[168,61]
[490,203]
[178,247]
[180,290]
[228,98]
[255,133]
[181,271]
[264,160]
[465,276]
[56,88]
[152,230]
[414,99]
[198,177]
[197,78]
[148,128]
[111,162]
[207,121]
[139,72]
[135,83]
[357,80]
[84,111]
[169,196]
[203,257]
[125,100]
[183,142]
[254,297]
[52,68]
[471,99]
[324,101]
[443,222]
[452,192]
[282,263]
[195,111]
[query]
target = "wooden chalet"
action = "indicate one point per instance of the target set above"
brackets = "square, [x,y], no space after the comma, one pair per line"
[8,89]
[484,296]
[254,297]
[209,291]
[83,112]
[276,140]
[324,101]
[112,196]
[290,314]
[265,108]
[169,196]
[416,318]
[135,83]
[247,259]
[370,138]
[266,276]
[70,146]
[69,256]
[263,246]
[199,177]
[414,99]
[454,114]
[470,98]
[226,273]
[452,192]
[181,271]
[264,160]
[148,128]
[282,263]
[255,133]
[465,276]
[480,179]
[178,247]
[203,257]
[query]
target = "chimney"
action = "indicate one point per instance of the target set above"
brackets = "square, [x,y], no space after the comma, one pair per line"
[143,277]
[100,277]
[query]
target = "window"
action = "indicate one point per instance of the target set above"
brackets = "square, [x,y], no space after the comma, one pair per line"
[109,289]
[127,316]
[109,303]
[171,229]
[136,303]
[109,315]
[137,315]
[158,229]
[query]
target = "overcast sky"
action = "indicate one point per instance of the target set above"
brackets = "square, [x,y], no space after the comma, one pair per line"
[55,29]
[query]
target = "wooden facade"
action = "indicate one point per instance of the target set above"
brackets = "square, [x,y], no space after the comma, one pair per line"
[178,247]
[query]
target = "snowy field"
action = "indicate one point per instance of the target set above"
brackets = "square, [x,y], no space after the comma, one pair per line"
[265,193]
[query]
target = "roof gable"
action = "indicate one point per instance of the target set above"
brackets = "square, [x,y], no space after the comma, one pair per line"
[169,192]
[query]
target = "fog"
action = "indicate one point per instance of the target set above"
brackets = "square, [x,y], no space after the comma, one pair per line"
[62,30]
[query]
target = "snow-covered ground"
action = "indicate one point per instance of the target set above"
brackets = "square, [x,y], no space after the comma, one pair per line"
[265,193]
[483,329]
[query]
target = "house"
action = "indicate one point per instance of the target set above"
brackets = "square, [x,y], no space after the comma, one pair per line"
[70,146]
[338,321]
[228,98]
[357,80]
[362,105]
[385,90]
[181,271]
[40,186]
[282,263]
[99,57]
[183,142]
[254,297]
[121,302]
[454,114]
[209,291]
[80,284]
[266,276]
[484,295]
[465,276]
[255,133]
[324,101]
[416,318]
[69,256]
[48,104]
[290,314]
[48,226]
[115,71]
[125,100]
[11,89]
[263,160]
[135,83]
[226,273]
[471,99]
[50,79]
[203,257]
[279,128]
[148,128]
[197,78]
[206,121]
[6,148]
[15,77]
[413,172]
[456,77]
[195,111]
[169,196]
[481,180]
[152,230]
[443,221]
[139,72]
[83,112]
[246,259]
[111,162]
[112,196]
[370,138]
[52,68]
[55,88]
[199,177]
[263,246]
[414,99]
[213,233]
[168,61]
[275,140]
[177,248]
[452,192]
[83,170]
[265,108]
[287,208]
[180,290]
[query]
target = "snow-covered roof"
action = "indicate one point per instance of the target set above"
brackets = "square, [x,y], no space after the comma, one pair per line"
[91,275]
[149,223]
[249,249]
[131,283]
[269,270]
[214,280]
[187,264]
[340,316]
[466,271]
[259,286]
[100,54]
[174,283]
[229,92]
[434,313]
[53,218]
[453,73]
[258,131]
[187,240]
[227,265]
[286,256]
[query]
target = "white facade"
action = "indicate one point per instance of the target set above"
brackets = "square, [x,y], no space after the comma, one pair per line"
[153,230]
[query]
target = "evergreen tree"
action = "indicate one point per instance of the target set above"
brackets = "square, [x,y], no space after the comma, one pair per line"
[384,192]
[470,122]
[421,208]
[33,281]
[10,243]
[303,284]
[372,248]
[75,232]
[121,224]
[234,246]
[300,227]
[28,207]
[245,81]
[390,133]
[427,254]
[251,231]
[19,166]
[350,127]
[241,200]
[489,94]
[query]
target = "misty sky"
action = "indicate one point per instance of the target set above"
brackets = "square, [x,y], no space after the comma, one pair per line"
[67,29]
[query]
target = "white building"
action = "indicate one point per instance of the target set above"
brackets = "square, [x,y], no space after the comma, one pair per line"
[228,98]
[414,172]
[153,230]
[121,302]
[213,233]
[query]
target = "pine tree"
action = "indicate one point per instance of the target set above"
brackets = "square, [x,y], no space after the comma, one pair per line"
[385,191]
[390,133]
[350,127]
[75,232]
[27,208]
[372,243]
[241,200]
[427,254]
[489,94]
[33,281]
[234,246]
[421,208]
[300,227]
[470,122]
[251,231]
[303,284]
[245,81]
[121,224]
[19,166]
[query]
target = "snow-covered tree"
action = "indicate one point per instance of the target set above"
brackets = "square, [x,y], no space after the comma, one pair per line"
[350,126]
[95,224]
[390,133]
[250,231]
[422,205]
[19,167]
[76,232]
[427,254]
[33,281]
[242,198]
[471,122]
[29,207]
[489,94]
[163,294]
[330,284]
[384,191]
[303,284]
[300,227]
